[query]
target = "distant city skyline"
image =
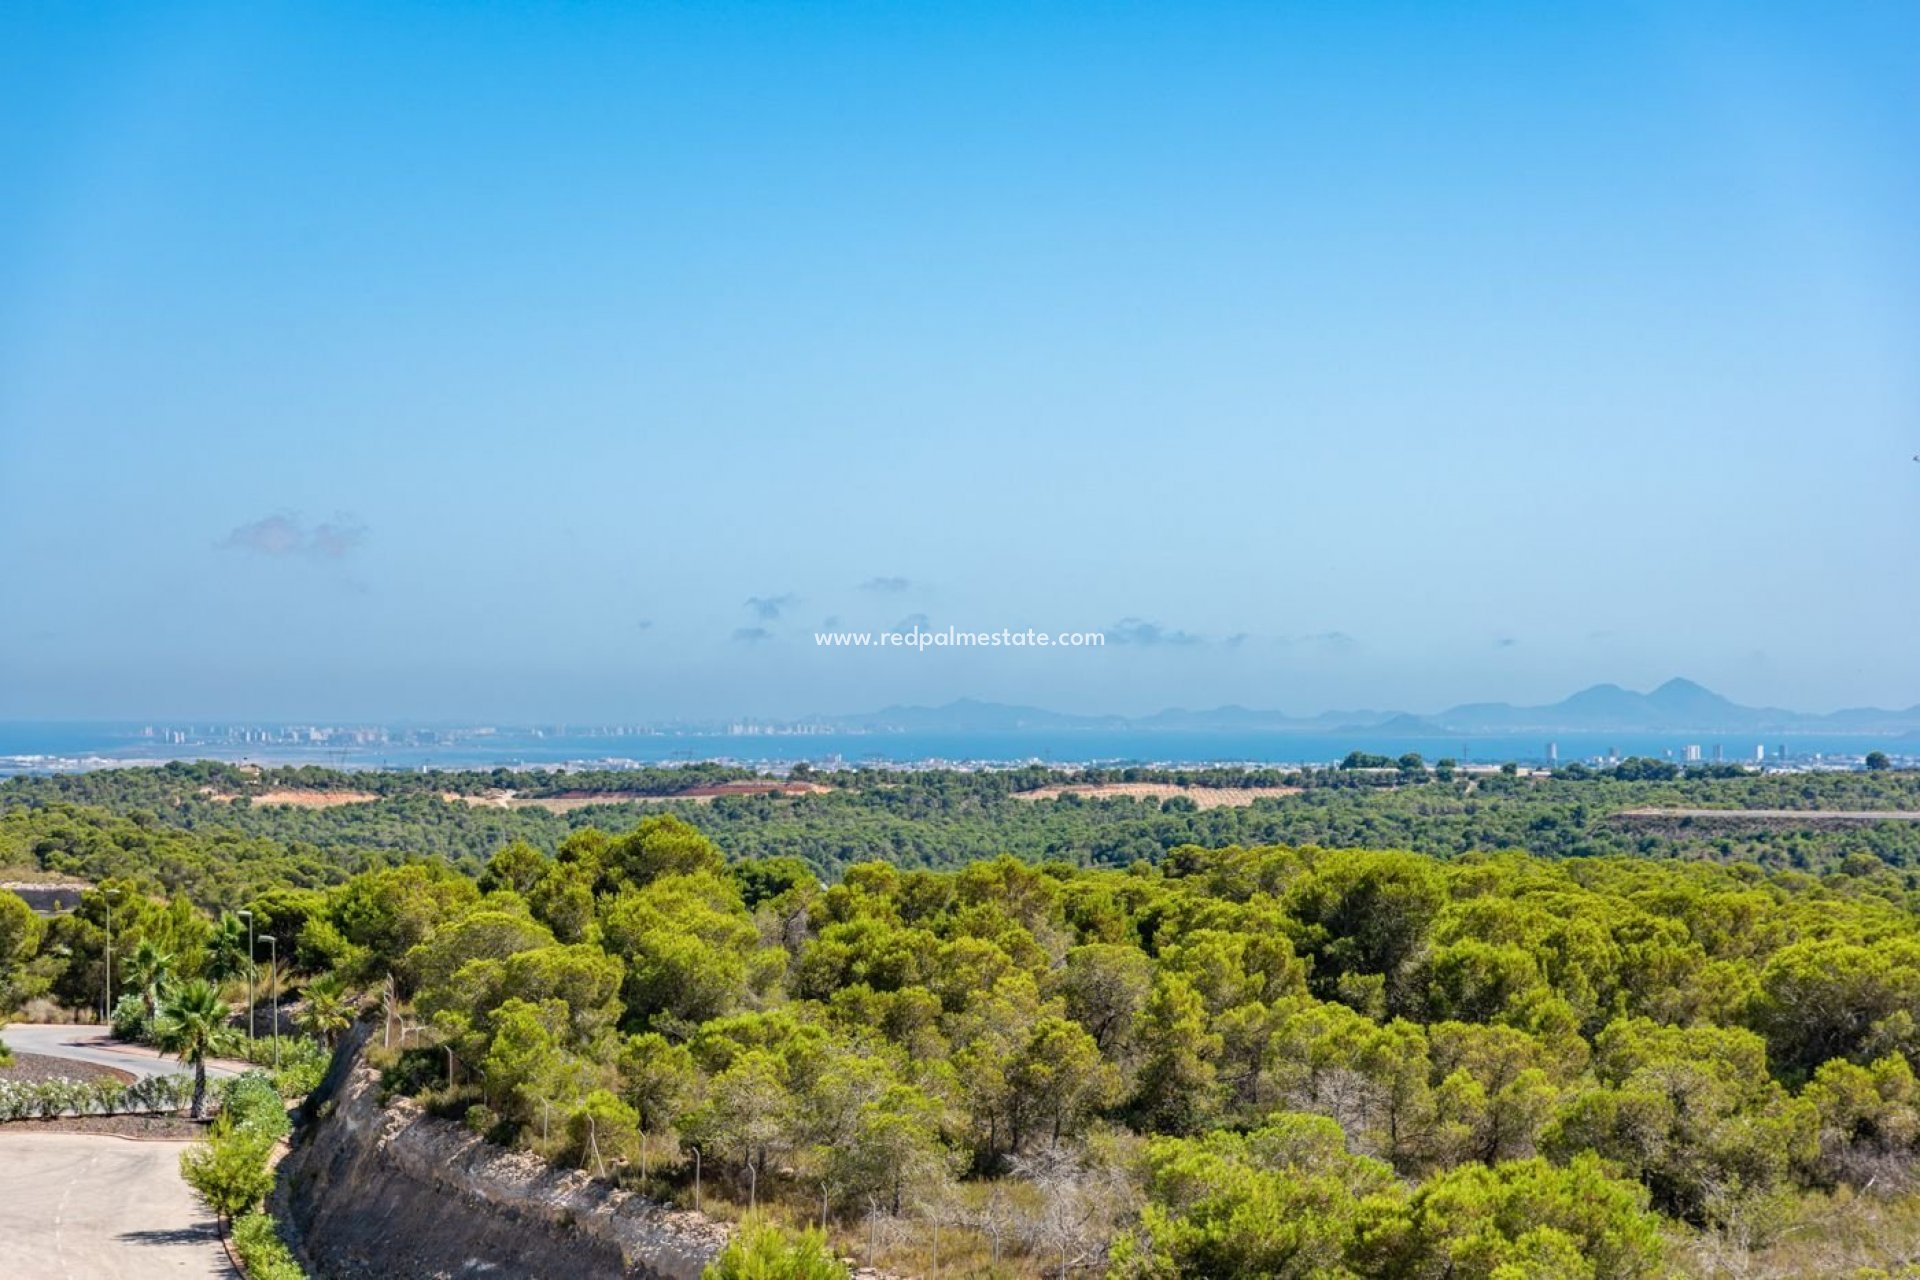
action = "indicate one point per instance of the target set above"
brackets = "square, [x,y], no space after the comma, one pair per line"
[531,364]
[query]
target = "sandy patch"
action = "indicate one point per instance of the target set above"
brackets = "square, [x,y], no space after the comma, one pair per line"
[770,787]
[552,804]
[296,798]
[1202,797]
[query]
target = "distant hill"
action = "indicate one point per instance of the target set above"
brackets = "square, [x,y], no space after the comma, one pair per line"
[1676,706]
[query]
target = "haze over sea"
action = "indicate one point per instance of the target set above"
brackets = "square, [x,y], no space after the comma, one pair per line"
[56,747]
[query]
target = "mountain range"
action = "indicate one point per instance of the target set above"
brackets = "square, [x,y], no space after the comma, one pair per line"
[1676,706]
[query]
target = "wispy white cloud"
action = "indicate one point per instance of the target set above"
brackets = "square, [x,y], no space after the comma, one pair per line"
[285,535]
[1142,632]
[768,608]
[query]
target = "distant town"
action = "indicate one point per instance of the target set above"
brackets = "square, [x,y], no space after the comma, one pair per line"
[941,738]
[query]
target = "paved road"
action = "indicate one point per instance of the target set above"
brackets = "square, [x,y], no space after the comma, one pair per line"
[92,1044]
[81,1207]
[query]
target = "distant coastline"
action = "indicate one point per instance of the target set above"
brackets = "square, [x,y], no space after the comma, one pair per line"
[979,749]
[1680,721]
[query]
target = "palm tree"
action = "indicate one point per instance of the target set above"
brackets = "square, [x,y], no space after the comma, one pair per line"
[150,971]
[227,956]
[189,1022]
[328,1012]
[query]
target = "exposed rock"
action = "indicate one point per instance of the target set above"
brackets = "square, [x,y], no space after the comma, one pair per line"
[391,1192]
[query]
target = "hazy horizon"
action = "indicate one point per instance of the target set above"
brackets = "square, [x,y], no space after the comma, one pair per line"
[530,365]
[748,715]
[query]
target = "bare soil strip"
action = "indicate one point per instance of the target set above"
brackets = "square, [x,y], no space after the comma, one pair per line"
[1202,797]
[298,798]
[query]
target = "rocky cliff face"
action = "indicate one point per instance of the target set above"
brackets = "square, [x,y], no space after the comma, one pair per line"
[391,1192]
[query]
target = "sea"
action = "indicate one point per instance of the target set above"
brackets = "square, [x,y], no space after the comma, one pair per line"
[62,747]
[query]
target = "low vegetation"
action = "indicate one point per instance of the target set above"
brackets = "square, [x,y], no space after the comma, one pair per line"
[231,1171]
[763,1251]
[256,1239]
[155,1095]
[160,824]
[1218,1059]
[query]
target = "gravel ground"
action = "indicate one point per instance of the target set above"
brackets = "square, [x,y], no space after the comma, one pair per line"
[36,1067]
[156,1128]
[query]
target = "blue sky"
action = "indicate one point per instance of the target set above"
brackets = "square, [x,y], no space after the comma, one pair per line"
[474,362]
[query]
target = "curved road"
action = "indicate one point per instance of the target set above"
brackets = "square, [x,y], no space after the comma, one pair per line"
[95,1045]
[87,1207]
[81,1207]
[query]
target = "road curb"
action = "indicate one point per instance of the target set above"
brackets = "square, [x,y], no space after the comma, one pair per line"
[233,1259]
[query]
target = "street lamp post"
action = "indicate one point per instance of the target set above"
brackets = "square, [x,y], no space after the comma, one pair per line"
[273,976]
[106,1018]
[250,967]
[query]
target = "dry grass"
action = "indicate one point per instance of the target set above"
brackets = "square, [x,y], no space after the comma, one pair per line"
[1786,1237]
[884,1247]
[12,878]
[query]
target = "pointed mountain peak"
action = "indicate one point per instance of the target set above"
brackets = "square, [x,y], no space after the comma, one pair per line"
[1678,692]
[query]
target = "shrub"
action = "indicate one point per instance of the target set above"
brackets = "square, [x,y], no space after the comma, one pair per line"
[130,1020]
[300,1078]
[262,1252]
[25,1099]
[601,1130]
[229,1170]
[252,1103]
[303,1062]
[159,1093]
[106,1096]
[763,1251]
[58,1097]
